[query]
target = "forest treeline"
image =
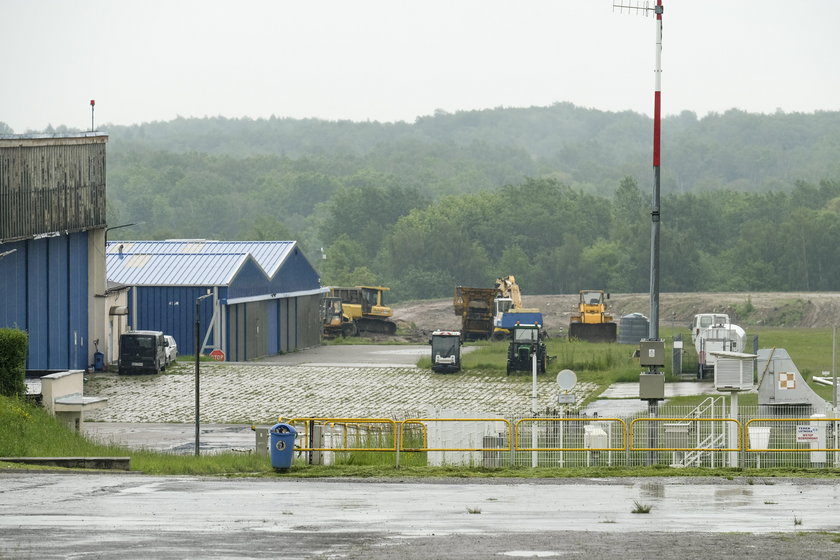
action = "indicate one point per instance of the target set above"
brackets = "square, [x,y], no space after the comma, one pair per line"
[558,196]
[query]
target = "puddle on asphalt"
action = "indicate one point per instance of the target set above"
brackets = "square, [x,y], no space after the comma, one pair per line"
[734,496]
[652,490]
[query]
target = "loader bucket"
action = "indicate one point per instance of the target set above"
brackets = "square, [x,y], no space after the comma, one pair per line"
[593,332]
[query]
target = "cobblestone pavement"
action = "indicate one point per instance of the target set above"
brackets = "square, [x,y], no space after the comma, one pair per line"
[261,392]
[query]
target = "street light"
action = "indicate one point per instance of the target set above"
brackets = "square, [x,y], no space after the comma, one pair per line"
[197,354]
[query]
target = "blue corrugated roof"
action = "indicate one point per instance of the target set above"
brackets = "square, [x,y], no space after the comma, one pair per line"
[174,269]
[270,255]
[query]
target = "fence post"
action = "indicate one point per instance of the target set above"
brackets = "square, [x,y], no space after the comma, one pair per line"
[398,436]
[512,442]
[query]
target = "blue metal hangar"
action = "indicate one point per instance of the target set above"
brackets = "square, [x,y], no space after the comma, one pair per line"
[264,296]
[52,240]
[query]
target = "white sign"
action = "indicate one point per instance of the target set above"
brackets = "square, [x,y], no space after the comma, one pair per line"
[806,434]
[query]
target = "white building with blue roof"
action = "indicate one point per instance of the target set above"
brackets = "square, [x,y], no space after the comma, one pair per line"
[265,295]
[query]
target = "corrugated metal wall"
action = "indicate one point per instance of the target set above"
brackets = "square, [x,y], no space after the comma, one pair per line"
[262,328]
[52,191]
[51,185]
[170,309]
[45,292]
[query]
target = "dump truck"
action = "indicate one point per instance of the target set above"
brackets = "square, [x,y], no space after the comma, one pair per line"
[590,321]
[526,341]
[364,306]
[475,307]
[446,351]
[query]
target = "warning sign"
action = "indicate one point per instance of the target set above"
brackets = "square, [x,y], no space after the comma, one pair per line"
[805,434]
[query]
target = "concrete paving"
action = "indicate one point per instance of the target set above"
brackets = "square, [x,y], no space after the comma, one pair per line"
[173,438]
[332,381]
[351,354]
[682,389]
[59,515]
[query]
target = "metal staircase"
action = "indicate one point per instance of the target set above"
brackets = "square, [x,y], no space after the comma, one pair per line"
[707,439]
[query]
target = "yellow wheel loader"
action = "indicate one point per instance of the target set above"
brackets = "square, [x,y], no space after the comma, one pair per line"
[591,322]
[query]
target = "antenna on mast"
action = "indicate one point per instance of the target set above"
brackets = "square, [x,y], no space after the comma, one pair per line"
[636,8]
[92,105]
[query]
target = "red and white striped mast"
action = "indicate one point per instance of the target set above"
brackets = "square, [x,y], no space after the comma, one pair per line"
[654,213]
[658,10]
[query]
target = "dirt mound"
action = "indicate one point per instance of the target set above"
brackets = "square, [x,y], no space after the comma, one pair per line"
[777,309]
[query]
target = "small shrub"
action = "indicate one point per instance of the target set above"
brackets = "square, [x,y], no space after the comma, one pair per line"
[13,346]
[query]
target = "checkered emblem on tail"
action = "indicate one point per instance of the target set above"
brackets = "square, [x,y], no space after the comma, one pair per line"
[787,380]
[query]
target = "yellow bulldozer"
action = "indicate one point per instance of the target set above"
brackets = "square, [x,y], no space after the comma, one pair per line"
[364,307]
[590,321]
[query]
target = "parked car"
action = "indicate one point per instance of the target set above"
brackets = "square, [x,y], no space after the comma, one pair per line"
[142,352]
[171,348]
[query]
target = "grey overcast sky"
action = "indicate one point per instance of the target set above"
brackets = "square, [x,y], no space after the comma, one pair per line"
[395,60]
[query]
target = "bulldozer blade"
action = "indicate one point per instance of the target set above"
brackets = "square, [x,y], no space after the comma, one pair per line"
[593,332]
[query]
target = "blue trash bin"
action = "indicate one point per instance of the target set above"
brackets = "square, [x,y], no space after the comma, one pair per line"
[98,361]
[282,446]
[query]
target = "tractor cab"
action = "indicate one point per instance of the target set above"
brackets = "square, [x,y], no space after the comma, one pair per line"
[526,342]
[446,351]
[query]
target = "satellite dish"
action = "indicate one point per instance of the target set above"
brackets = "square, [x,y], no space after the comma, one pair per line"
[567,379]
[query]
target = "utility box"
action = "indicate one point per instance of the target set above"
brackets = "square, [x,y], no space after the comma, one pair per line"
[651,386]
[652,352]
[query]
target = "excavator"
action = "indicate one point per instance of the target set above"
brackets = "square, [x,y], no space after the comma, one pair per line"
[509,310]
[364,307]
[591,322]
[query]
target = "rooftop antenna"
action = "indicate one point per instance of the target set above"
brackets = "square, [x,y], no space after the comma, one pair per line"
[92,104]
[644,8]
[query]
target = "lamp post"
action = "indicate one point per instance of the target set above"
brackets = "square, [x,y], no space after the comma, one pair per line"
[197,355]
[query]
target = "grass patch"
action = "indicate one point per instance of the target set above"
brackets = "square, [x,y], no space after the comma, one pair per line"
[30,431]
[641,508]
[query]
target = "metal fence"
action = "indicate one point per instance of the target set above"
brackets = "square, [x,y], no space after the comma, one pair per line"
[678,436]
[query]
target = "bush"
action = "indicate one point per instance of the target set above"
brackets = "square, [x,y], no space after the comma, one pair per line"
[13,345]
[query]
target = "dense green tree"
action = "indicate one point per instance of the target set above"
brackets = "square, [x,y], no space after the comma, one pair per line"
[558,196]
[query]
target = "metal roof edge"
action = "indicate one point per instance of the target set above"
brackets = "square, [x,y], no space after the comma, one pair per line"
[264,297]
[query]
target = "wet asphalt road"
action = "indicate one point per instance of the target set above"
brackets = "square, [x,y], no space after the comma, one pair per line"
[62,515]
